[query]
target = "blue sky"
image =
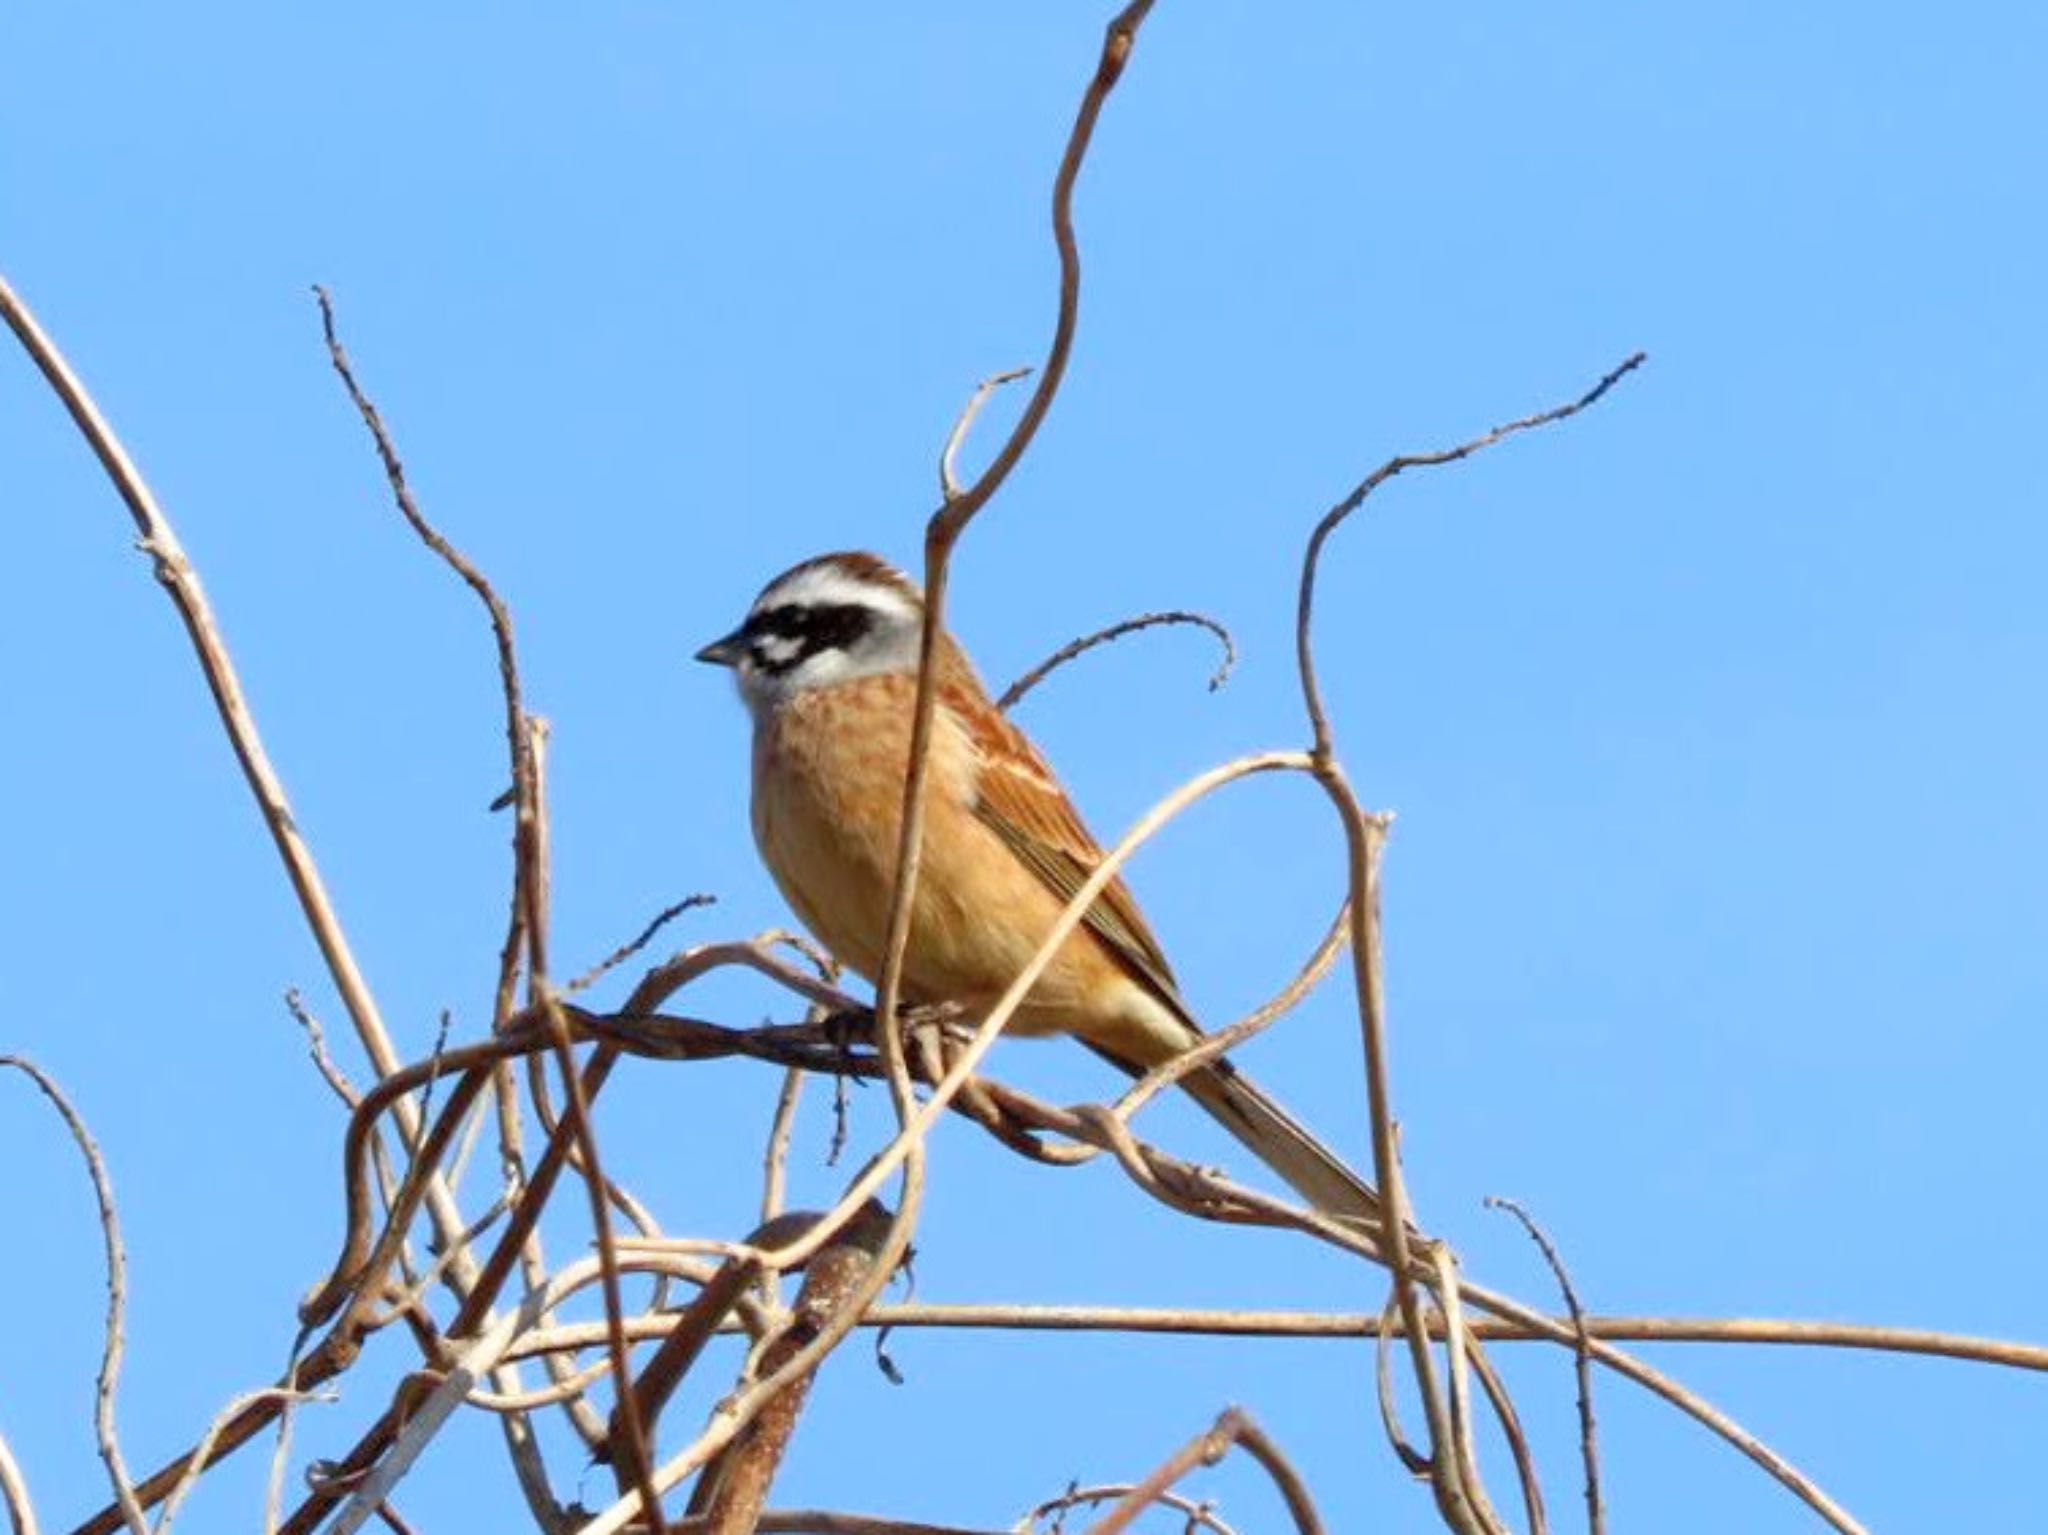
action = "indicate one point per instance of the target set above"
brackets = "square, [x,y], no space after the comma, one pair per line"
[1711,718]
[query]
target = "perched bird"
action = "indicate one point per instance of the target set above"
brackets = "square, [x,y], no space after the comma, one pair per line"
[827,662]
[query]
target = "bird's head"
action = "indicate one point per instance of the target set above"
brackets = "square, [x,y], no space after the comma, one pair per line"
[828,620]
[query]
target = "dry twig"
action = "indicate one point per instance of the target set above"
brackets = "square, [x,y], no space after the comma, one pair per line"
[1234,1427]
[1014,693]
[114,1339]
[21,1509]
[627,950]
[180,582]
[1582,1359]
[851,1249]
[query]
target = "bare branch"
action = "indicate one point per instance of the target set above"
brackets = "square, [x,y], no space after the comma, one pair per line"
[1304,655]
[949,487]
[394,472]
[257,1413]
[1690,1402]
[1200,1516]
[1205,1449]
[1356,1324]
[236,1406]
[818,1521]
[626,951]
[21,1510]
[117,1292]
[1234,1427]
[1364,838]
[180,581]
[734,1488]
[1015,692]
[687,1333]
[1254,1441]
[1414,1460]
[774,1161]
[1463,1446]
[1226,1039]
[527,868]
[377,1464]
[1511,1430]
[1582,1357]
[316,1046]
[941,533]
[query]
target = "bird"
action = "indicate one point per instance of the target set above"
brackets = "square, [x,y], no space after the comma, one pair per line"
[827,663]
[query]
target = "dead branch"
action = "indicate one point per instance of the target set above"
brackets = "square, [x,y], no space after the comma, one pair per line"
[1312,697]
[1234,1427]
[226,1436]
[114,1338]
[181,584]
[1457,1341]
[1014,693]
[1200,1516]
[494,606]
[316,1046]
[734,1488]
[1582,1359]
[235,1407]
[180,580]
[627,950]
[1687,1401]
[1255,1442]
[1776,1331]
[528,858]
[1365,838]
[941,534]
[21,1509]
[775,1160]
[949,486]
[1511,1430]
[581,1132]
[818,1521]
[719,1294]
[849,1251]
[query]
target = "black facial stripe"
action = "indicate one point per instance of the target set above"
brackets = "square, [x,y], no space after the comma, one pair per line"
[784,637]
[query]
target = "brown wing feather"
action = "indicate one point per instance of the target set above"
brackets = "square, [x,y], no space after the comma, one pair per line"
[1018,798]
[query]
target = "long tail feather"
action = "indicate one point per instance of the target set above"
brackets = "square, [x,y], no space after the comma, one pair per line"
[1272,1135]
[1279,1140]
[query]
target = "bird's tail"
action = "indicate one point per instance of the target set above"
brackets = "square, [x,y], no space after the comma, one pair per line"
[1279,1140]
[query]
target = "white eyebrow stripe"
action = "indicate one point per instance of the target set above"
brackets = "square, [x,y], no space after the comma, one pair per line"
[826,586]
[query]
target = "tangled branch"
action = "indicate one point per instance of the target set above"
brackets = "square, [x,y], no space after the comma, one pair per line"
[470,1341]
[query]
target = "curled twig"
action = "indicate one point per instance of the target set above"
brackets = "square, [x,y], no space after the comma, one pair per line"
[1304,651]
[1365,837]
[949,485]
[1015,692]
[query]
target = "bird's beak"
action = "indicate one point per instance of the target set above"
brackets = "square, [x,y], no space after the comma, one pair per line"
[724,652]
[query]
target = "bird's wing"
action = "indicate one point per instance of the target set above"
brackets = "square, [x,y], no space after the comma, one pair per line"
[1017,797]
